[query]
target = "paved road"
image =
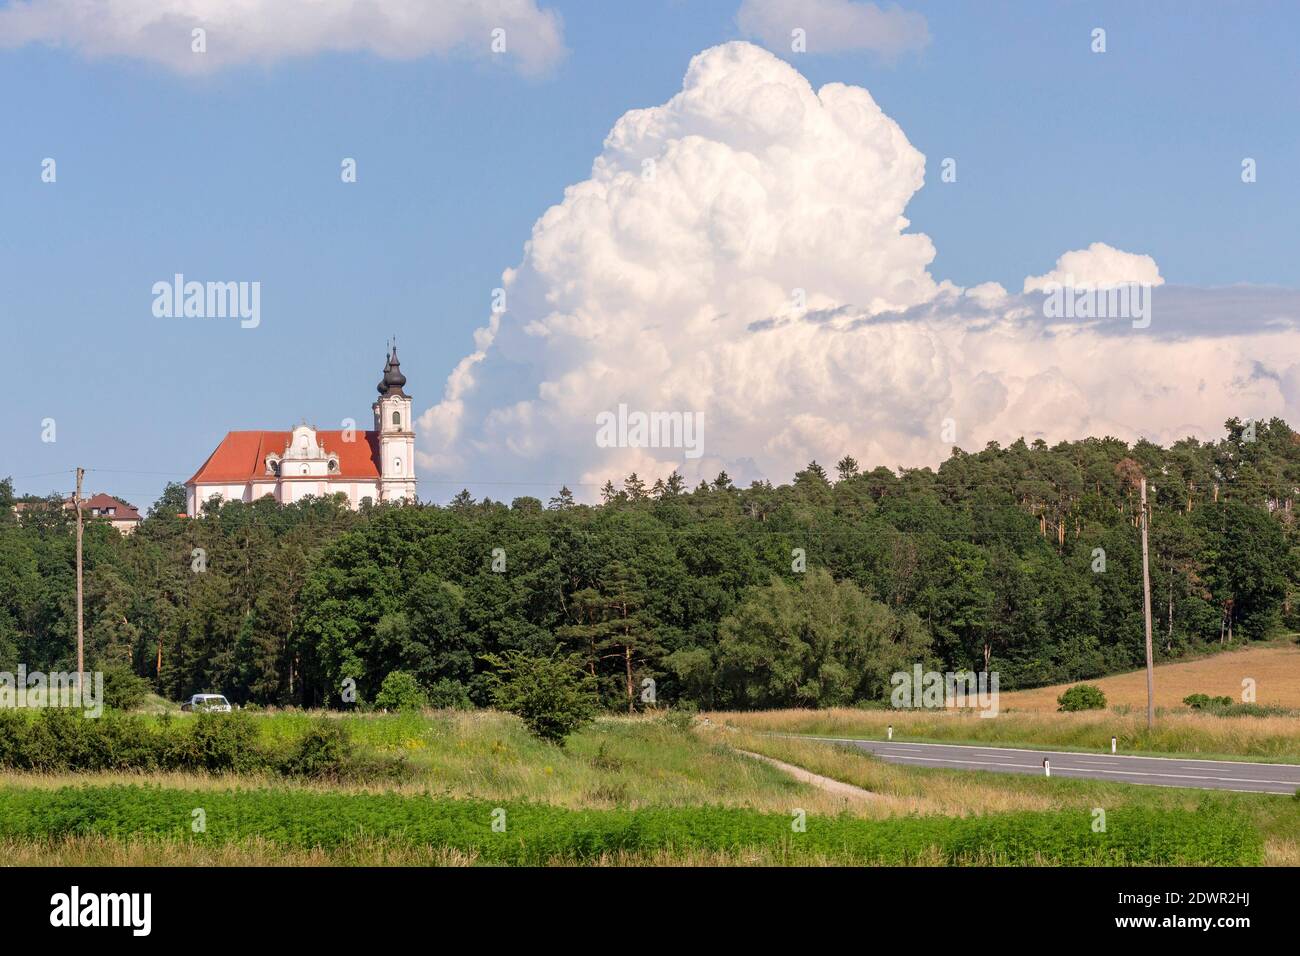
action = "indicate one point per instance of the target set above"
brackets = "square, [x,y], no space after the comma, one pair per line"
[1153,771]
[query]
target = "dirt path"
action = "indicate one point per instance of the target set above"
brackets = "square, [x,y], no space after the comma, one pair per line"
[838,787]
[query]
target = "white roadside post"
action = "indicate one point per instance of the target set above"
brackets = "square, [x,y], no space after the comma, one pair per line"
[1112,744]
[1047,767]
[891,732]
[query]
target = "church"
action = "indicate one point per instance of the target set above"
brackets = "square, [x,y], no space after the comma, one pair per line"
[291,465]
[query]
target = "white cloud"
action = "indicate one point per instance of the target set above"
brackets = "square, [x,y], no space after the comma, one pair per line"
[667,281]
[833,26]
[1098,267]
[264,31]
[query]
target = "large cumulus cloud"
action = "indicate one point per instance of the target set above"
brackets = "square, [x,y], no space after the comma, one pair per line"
[741,251]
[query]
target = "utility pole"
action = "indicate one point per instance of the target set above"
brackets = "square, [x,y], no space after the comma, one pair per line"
[81,643]
[1146,613]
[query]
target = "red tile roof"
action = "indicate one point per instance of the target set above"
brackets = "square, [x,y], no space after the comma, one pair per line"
[241,456]
[121,510]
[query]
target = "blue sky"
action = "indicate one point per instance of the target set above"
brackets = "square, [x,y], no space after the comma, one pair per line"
[234,175]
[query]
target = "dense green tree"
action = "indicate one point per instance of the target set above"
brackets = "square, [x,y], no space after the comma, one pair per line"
[815,643]
[1023,558]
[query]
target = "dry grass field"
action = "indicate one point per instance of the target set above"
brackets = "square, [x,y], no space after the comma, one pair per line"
[1275,668]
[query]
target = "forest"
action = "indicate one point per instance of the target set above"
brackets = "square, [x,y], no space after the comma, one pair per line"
[1024,559]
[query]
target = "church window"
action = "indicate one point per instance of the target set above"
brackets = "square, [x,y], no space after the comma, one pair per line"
[397,419]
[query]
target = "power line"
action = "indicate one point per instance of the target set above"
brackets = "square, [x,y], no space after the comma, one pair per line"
[42,474]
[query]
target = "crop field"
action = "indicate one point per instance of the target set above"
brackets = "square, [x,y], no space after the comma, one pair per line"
[529,833]
[477,789]
[1275,671]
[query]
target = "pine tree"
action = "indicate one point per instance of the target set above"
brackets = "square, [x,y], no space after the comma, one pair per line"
[634,487]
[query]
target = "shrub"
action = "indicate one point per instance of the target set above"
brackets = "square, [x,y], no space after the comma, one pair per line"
[325,751]
[57,739]
[552,695]
[123,690]
[61,740]
[681,717]
[400,691]
[603,760]
[1255,710]
[1082,697]
[449,694]
[1203,701]
[217,743]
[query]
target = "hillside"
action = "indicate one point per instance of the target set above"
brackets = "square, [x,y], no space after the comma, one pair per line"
[1275,668]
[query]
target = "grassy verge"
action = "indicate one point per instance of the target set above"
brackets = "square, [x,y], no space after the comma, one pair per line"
[626,763]
[1275,739]
[957,792]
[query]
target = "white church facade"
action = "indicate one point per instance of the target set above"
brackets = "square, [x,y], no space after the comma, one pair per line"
[292,465]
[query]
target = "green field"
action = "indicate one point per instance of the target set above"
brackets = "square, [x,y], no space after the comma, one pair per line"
[625,791]
[532,834]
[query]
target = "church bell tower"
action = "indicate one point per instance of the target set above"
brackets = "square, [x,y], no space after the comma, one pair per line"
[396,434]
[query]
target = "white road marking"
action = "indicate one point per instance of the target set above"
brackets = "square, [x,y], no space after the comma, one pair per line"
[1201,776]
[1050,753]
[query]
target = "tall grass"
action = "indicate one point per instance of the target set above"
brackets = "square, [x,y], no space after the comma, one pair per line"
[1270,738]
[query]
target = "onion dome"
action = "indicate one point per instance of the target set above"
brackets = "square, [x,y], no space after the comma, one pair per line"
[382,387]
[393,377]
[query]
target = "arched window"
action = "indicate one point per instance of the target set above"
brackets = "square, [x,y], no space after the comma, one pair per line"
[397,419]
